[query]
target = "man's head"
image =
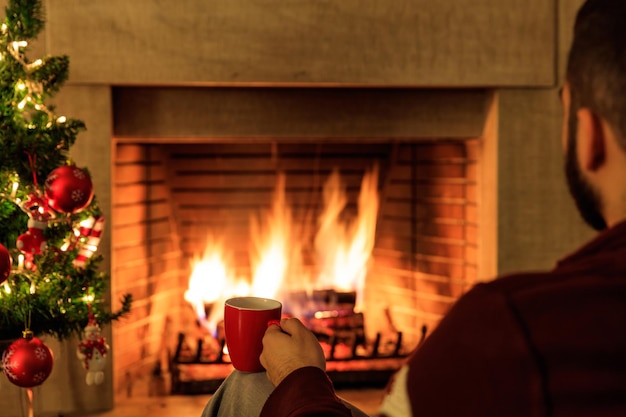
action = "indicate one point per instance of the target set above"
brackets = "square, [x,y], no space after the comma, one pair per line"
[596,97]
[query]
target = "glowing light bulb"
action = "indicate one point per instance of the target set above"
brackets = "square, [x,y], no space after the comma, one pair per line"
[37,63]
[61,119]
[22,104]
[19,44]
[32,288]
[4,27]
[14,189]
[20,85]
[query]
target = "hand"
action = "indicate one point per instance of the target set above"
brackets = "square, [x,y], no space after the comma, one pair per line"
[288,347]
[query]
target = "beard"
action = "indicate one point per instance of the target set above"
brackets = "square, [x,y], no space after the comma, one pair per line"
[587,198]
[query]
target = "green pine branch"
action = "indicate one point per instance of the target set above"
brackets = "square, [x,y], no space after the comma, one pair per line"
[56,297]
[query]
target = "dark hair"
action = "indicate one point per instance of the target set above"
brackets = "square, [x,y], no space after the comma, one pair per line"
[596,67]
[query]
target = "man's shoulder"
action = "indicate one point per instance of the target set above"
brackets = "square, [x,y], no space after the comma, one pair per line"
[488,300]
[513,283]
[533,288]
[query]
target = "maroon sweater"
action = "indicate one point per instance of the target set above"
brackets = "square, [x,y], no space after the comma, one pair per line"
[541,344]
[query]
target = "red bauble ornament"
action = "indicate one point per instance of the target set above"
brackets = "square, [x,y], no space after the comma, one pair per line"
[27,362]
[5,263]
[69,189]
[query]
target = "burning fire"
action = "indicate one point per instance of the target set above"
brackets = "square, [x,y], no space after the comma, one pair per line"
[211,284]
[344,248]
[343,251]
[272,245]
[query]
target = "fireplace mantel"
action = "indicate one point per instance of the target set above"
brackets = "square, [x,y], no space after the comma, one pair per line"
[454,43]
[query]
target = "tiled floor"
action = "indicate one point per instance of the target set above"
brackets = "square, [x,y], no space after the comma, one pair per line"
[192,405]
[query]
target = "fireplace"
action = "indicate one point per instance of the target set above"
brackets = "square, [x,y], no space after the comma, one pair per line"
[175,196]
[281,72]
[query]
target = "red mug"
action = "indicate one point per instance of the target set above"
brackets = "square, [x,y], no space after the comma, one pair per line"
[245,322]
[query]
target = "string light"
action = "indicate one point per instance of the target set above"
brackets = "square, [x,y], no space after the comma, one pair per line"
[34,89]
[14,189]
[19,44]
[20,262]
[7,289]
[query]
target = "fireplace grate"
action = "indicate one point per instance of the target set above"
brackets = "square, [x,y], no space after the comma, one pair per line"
[200,369]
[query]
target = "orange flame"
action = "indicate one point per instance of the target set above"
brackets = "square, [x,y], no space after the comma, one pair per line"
[343,249]
[211,284]
[271,245]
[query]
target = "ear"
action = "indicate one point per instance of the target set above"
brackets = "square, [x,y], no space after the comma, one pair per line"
[591,140]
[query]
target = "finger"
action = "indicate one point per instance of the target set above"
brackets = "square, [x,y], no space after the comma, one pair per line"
[292,325]
[274,328]
[273,322]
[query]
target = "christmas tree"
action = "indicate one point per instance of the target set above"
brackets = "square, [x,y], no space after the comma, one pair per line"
[50,222]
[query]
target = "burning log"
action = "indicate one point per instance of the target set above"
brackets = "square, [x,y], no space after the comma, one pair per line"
[333,303]
[334,329]
[207,350]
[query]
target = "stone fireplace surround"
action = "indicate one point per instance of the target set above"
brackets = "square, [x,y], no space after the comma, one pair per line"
[508,53]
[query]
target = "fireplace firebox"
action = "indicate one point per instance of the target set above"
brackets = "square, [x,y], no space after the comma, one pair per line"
[175,199]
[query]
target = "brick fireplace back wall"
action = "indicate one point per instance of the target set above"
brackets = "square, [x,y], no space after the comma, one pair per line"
[169,197]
